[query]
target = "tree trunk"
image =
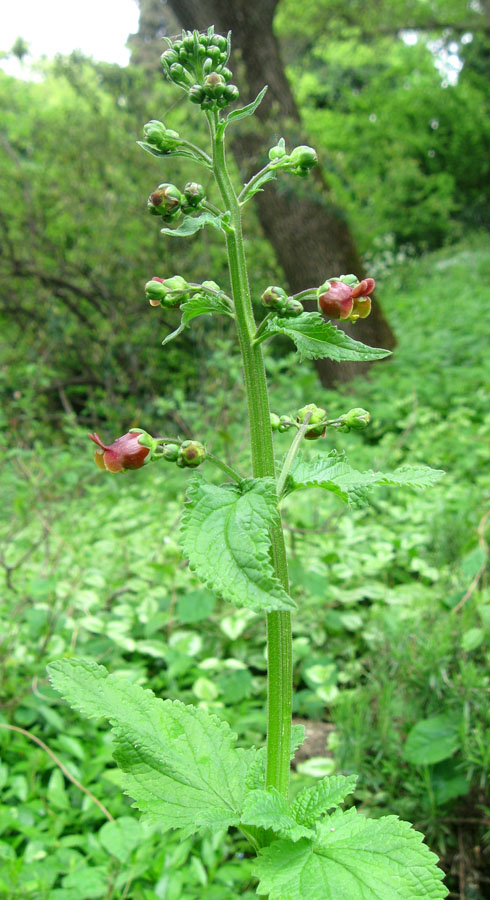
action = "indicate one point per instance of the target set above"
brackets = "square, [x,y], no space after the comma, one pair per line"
[310,236]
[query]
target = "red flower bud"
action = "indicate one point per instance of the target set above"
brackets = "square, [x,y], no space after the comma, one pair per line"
[125,453]
[337,302]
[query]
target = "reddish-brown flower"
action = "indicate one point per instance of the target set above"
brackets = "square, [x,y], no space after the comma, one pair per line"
[125,453]
[337,302]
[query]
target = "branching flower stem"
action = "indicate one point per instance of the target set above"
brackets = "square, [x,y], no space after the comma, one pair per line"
[279,643]
[291,455]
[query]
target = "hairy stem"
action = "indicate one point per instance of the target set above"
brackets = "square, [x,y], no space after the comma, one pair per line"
[279,644]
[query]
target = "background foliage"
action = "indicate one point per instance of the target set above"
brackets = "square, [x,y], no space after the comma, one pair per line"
[391,665]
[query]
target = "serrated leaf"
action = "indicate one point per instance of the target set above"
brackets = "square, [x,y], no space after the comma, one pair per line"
[317,339]
[225,537]
[269,809]
[248,110]
[200,305]
[432,740]
[352,857]
[180,762]
[410,476]
[193,224]
[313,802]
[333,473]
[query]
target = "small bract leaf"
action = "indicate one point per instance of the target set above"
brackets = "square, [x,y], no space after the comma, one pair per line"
[225,535]
[352,857]
[311,803]
[193,224]
[269,809]
[248,110]
[200,305]
[317,339]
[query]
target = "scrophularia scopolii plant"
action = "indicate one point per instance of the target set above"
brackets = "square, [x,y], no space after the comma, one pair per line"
[181,765]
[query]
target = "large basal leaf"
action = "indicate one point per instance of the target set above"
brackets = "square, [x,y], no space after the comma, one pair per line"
[200,305]
[182,768]
[192,224]
[352,858]
[313,802]
[225,537]
[317,339]
[333,473]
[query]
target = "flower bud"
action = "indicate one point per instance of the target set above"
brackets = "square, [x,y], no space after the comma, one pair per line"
[197,94]
[178,287]
[160,137]
[304,156]
[131,451]
[226,73]
[285,423]
[210,286]
[278,151]
[275,421]
[191,453]
[165,201]
[364,288]
[293,308]
[169,57]
[155,291]
[356,419]
[231,93]
[274,297]
[317,414]
[170,452]
[194,193]
[336,302]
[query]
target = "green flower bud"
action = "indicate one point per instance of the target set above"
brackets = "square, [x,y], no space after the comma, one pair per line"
[317,415]
[166,200]
[196,94]
[278,151]
[274,297]
[178,287]
[286,422]
[211,285]
[155,291]
[275,422]
[293,308]
[231,93]
[178,74]
[304,157]
[194,193]
[170,452]
[356,419]
[212,81]
[226,73]
[169,57]
[191,453]
[163,139]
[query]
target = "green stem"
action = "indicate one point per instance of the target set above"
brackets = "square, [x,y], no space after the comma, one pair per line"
[223,466]
[279,675]
[244,194]
[291,455]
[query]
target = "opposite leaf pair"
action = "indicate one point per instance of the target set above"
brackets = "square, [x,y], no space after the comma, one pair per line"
[184,771]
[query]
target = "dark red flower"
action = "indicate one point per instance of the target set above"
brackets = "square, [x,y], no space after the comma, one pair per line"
[125,453]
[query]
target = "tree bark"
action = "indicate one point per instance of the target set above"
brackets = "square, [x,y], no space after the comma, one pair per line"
[310,235]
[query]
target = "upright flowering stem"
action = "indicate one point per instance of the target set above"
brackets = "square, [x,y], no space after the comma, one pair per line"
[279,642]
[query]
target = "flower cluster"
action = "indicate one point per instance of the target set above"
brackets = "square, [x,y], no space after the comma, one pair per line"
[299,162]
[167,201]
[197,63]
[162,140]
[137,448]
[346,297]
[276,299]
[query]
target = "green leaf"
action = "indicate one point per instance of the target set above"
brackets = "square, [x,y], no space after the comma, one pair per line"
[269,809]
[180,762]
[352,857]
[192,224]
[186,153]
[121,837]
[225,537]
[311,803]
[248,110]
[333,473]
[432,740]
[317,339]
[200,305]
